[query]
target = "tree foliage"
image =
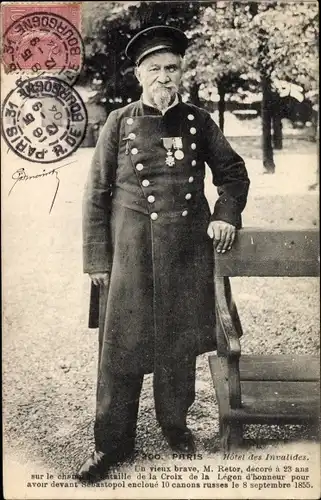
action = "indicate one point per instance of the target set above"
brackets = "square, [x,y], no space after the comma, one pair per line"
[227,39]
[234,46]
[258,45]
[108,26]
[277,39]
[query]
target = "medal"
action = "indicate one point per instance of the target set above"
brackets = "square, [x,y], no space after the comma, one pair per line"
[170,161]
[179,155]
[168,144]
[178,145]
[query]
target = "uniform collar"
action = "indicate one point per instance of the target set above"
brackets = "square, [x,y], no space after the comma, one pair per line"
[149,108]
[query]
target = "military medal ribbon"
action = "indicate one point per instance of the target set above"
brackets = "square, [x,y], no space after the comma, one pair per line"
[168,144]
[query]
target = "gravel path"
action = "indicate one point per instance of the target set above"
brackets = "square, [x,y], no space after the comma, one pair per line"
[49,355]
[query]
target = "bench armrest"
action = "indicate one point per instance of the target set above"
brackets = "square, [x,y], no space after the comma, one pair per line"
[227,336]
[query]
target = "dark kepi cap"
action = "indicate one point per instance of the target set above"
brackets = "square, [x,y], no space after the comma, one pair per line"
[154,39]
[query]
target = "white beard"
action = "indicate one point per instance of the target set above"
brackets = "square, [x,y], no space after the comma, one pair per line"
[162,97]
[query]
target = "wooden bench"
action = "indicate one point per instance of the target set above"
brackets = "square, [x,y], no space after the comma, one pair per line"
[258,389]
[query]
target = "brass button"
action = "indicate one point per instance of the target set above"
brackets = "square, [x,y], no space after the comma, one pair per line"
[193,145]
[154,216]
[193,163]
[151,198]
[191,179]
[188,196]
[145,183]
[192,130]
[134,151]
[132,136]
[184,213]
[190,117]
[139,167]
[129,121]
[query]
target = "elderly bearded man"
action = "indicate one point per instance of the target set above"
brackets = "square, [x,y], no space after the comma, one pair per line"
[147,243]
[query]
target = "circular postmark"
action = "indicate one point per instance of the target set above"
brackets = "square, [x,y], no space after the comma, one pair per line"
[44,120]
[43,44]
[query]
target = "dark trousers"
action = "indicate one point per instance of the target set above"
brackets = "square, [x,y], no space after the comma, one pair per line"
[118,395]
[118,401]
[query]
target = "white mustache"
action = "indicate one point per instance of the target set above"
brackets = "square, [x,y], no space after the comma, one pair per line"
[161,87]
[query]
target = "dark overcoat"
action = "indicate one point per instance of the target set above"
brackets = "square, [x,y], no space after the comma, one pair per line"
[145,222]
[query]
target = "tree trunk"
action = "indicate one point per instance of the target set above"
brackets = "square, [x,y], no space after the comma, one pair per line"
[277,123]
[221,106]
[267,149]
[315,126]
[277,132]
[194,97]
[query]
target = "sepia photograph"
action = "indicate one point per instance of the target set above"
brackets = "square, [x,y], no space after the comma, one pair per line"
[160,250]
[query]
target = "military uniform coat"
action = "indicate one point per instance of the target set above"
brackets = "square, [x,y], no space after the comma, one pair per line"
[145,222]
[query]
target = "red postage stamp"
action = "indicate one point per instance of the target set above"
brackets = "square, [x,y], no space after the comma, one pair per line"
[43,39]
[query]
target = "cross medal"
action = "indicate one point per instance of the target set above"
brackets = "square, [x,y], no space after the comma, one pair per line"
[177,144]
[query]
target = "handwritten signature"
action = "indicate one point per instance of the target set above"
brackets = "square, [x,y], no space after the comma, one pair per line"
[21,175]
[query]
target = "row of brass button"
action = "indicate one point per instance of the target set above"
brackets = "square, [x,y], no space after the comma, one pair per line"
[154,215]
[130,120]
[145,182]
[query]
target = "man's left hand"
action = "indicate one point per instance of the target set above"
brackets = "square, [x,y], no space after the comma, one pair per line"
[223,234]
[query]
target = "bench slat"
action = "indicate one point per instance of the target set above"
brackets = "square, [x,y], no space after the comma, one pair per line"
[265,252]
[280,367]
[281,399]
[266,392]
[303,414]
[270,402]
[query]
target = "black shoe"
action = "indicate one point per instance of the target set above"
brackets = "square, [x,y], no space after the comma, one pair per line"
[96,466]
[181,441]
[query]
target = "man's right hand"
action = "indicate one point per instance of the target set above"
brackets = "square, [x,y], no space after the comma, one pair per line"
[100,279]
